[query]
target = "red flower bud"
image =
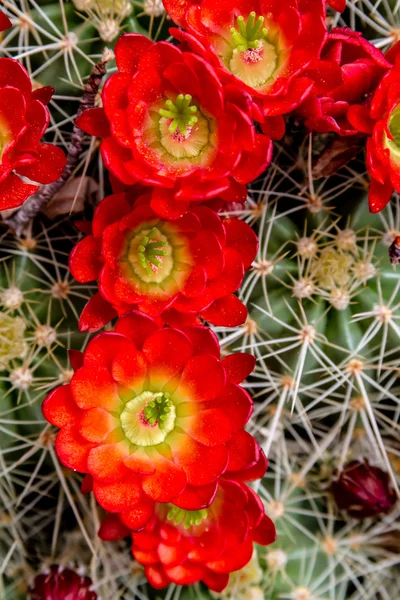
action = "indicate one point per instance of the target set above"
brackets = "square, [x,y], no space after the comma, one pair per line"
[61,584]
[363,490]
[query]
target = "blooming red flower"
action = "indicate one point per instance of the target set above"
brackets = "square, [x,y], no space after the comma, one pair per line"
[153,414]
[23,121]
[183,547]
[177,269]
[261,46]
[381,120]
[61,584]
[169,122]
[363,490]
[356,67]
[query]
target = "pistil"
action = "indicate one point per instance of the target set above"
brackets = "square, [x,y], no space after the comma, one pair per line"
[249,34]
[181,112]
[150,251]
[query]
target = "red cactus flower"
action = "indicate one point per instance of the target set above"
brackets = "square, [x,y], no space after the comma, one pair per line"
[260,46]
[177,269]
[61,584]
[169,122]
[362,66]
[23,121]
[183,547]
[363,490]
[153,414]
[381,120]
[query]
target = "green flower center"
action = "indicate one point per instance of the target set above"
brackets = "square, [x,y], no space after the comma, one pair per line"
[157,410]
[248,35]
[187,518]
[394,127]
[181,112]
[147,419]
[149,252]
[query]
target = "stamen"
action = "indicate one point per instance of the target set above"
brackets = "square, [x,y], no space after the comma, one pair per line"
[157,410]
[188,518]
[181,113]
[250,34]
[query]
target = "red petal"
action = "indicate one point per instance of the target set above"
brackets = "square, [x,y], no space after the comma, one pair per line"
[233,559]
[252,164]
[253,473]
[129,49]
[226,312]
[12,70]
[265,533]
[157,577]
[196,498]
[14,192]
[75,359]
[120,496]
[94,122]
[95,424]
[140,462]
[59,407]
[201,464]
[105,463]
[137,517]
[110,210]
[72,449]
[170,556]
[195,283]
[166,351]
[203,339]
[5,22]
[230,278]
[243,451]
[49,165]
[185,574]
[241,238]
[85,260]
[95,314]
[236,403]
[92,386]
[164,204]
[379,195]
[137,327]
[202,379]
[167,482]
[238,366]
[129,369]
[43,94]
[210,427]
[215,581]
[207,251]
[112,529]
[104,347]
[87,484]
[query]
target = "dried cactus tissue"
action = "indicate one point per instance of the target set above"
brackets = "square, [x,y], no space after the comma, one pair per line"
[199,300]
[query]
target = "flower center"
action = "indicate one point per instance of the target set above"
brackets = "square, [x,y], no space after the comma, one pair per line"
[150,252]
[248,35]
[181,113]
[394,128]
[187,518]
[157,410]
[148,418]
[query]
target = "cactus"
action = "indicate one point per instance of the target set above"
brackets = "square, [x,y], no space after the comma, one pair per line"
[323,324]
